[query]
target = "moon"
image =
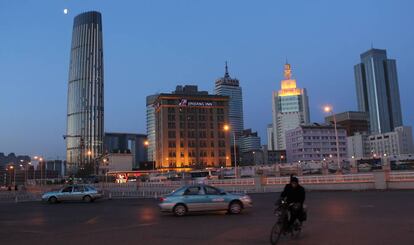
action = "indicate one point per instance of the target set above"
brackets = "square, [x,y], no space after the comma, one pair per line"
[65,11]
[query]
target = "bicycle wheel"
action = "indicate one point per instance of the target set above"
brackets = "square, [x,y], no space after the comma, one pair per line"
[276,233]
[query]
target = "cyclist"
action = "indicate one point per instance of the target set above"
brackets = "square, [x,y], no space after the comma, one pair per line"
[294,194]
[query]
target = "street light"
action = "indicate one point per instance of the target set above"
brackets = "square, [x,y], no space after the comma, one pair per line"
[226,128]
[11,168]
[329,109]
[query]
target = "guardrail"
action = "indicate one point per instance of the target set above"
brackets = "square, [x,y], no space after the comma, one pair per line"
[238,182]
[400,177]
[324,179]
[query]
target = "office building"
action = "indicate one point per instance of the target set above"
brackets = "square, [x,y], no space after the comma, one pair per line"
[252,157]
[358,146]
[290,109]
[377,90]
[85,110]
[397,142]
[352,121]
[230,87]
[314,142]
[190,129]
[249,141]
[59,166]
[134,144]
[273,156]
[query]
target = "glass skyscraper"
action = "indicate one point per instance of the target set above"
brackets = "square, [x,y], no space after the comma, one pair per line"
[228,86]
[85,111]
[151,127]
[377,90]
[290,109]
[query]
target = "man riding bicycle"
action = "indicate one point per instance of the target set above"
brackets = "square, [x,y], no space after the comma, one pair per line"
[294,194]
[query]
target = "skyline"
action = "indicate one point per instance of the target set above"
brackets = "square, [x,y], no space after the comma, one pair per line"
[164,61]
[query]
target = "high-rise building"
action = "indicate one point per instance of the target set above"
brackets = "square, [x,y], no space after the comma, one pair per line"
[290,109]
[151,148]
[352,121]
[377,90]
[228,86]
[190,129]
[85,111]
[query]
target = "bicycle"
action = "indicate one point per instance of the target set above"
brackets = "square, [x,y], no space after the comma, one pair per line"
[281,227]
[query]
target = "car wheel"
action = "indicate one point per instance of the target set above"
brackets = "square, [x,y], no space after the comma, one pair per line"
[87,199]
[235,207]
[52,200]
[180,210]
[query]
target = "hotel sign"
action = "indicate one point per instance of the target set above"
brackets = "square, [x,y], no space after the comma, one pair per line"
[194,103]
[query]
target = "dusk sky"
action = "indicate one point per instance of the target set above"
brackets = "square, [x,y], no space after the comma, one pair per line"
[152,46]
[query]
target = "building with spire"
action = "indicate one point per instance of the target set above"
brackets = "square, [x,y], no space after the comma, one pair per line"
[290,108]
[230,87]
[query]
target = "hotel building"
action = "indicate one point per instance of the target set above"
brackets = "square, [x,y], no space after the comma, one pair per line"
[190,129]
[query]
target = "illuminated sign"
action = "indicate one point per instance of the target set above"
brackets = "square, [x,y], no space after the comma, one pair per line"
[185,102]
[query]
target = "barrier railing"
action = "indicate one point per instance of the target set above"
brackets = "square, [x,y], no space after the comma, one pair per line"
[238,182]
[400,176]
[324,179]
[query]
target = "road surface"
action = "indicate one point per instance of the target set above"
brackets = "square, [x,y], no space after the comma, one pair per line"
[333,218]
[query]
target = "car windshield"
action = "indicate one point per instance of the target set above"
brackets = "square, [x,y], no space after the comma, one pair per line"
[179,191]
[90,188]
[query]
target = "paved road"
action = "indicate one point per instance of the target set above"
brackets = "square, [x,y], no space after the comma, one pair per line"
[334,218]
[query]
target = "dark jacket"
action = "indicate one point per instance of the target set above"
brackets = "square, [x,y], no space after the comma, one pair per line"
[294,195]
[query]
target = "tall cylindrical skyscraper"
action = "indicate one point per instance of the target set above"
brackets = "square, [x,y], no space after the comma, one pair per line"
[85,111]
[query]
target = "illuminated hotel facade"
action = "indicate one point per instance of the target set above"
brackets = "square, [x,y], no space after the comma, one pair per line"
[290,108]
[190,129]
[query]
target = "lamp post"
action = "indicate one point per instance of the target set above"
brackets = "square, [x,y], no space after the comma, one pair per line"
[227,128]
[11,168]
[329,109]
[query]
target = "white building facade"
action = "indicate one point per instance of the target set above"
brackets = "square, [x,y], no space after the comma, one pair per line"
[398,142]
[315,142]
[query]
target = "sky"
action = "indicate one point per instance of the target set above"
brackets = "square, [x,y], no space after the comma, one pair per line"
[152,46]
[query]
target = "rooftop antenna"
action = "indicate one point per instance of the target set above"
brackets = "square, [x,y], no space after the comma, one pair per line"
[226,74]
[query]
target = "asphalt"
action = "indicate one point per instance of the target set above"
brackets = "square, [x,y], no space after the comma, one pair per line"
[333,218]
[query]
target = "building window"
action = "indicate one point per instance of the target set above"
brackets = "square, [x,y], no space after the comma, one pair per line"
[171,134]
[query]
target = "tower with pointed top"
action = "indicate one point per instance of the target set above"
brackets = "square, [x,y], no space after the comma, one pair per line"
[230,87]
[290,109]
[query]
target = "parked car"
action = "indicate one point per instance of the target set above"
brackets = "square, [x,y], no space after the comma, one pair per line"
[203,198]
[83,193]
